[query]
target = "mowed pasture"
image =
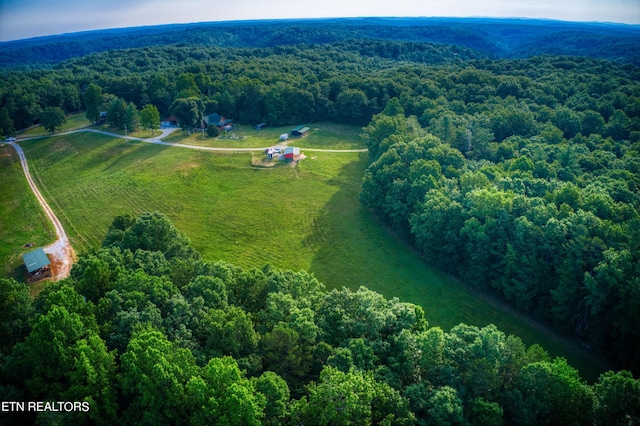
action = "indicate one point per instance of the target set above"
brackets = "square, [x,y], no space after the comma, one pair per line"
[74,121]
[22,221]
[304,217]
[322,136]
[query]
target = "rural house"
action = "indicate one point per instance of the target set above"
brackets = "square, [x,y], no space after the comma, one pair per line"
[37,264]
[219,121]
[300,131]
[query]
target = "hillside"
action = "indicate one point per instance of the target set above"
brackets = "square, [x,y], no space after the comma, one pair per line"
[492,38]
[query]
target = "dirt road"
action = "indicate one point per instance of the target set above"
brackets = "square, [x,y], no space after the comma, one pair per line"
[61,251]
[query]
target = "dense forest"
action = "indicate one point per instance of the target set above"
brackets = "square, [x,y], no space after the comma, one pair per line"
[146,332]
[520,176]
[545,222]
[491,38]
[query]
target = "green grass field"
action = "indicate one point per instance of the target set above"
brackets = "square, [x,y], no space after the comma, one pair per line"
[307,217]
[321,136]
[74,121]
[22,220]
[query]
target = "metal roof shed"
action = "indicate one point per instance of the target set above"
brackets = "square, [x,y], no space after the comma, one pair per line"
[300,131]
[35,260]
[37,264]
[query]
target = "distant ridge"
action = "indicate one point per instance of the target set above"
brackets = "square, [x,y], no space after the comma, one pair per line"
[493,37]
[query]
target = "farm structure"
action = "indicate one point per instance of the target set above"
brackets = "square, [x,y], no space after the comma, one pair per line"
[291,153]
[300,131]
[170,121]
[219,121]
[37,264]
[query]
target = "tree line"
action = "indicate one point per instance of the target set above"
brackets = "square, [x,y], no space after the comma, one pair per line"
[283,85]
[147,332]
[546,218]
[345,82]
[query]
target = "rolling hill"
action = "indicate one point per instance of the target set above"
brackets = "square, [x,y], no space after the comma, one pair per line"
[492,38]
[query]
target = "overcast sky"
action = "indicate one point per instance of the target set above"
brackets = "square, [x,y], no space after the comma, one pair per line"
[21,19]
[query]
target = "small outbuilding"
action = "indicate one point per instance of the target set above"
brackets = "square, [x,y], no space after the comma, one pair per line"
[260,126]
[300,131]
[37,264]
[291,153]
[284,136]
[170,121]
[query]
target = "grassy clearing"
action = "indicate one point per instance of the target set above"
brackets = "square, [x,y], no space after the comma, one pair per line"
[140,133]
[22,221]
[74,121]
[322,135]
[307,217]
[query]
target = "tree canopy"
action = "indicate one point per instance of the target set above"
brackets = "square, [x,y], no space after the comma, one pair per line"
[137,347]
[534,219]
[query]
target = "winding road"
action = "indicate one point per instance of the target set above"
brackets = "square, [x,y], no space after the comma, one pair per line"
[61,251]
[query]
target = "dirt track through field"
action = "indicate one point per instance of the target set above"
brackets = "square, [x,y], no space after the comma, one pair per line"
[61,251]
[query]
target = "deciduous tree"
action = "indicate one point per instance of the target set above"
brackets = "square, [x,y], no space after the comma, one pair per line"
[92,98]
[154,377]
[189,112]
[52,118]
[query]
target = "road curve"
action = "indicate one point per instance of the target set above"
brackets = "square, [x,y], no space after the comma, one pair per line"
[61,250]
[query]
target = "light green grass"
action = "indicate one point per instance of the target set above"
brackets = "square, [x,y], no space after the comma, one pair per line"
[307,217]
[322,135]
[22,221]
[74,121]
[139,133]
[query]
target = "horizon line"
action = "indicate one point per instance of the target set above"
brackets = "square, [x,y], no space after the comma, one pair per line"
[344,18]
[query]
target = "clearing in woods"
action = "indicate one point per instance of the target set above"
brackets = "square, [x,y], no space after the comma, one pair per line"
[307,217]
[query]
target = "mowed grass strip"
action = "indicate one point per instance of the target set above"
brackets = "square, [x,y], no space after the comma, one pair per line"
[307,217]
[74,121]
[22,221]
[321,136]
